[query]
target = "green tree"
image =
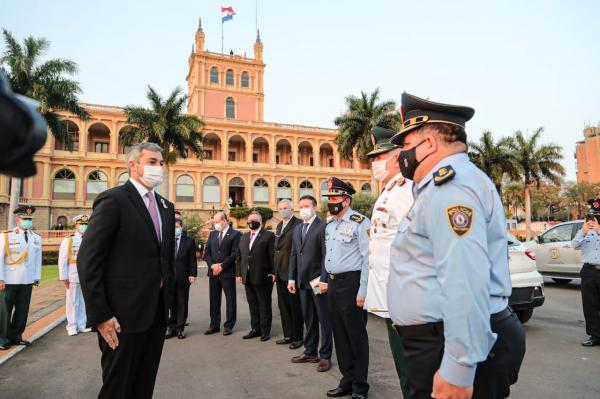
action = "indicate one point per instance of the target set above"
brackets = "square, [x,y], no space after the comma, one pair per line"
[513,197]
[536,162]
[495,159]
[165,124]
[576,197]
[362,114]
[47,82]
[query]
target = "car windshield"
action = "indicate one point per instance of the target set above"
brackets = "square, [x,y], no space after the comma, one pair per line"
[512,241]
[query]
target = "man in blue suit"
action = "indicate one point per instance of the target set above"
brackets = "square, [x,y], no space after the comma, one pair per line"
[306,265]
[220,253]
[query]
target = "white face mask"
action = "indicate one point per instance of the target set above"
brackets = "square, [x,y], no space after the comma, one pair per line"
[285,213]
[152,176]
[306,213]
[379,170]
[218,226]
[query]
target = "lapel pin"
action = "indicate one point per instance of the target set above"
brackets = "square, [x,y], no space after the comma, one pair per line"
[162,200]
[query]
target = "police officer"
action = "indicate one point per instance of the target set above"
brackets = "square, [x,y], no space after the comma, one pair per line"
[20,269]
[345,278]
[449,279]
[67,268]
[391,206]
[587,240]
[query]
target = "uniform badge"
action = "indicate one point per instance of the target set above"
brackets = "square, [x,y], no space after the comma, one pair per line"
[357,218]
[460,218]
[443,174]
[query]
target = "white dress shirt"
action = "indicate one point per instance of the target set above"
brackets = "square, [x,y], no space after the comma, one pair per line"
[144,192]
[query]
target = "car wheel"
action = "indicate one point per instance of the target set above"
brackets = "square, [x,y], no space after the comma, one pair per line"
[524,315]
[562,280]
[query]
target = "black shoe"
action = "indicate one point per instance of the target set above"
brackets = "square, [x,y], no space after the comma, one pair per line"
[338,392]
[4,347]
[358,396]
[181,335]
[265,337]
[170,334]
[283,341]
[591,341]
[296,344]
[251,334]
[227,331]
[211,331]
[22,342]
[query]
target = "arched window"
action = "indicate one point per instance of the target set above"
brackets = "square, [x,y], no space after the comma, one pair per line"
[306,188]
[96,183]
[64,185]
[73,131]
[211,190]
[261,191]
[61,221]
[324,190]
[245,79]
[229,77]
[123,177]
[184,189]
[214,75]
[366,188]
[230,108]
[284,190]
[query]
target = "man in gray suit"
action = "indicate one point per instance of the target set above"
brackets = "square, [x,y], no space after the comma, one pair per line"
[306,265]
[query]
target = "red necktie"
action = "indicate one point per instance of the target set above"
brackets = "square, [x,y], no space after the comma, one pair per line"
[251,238]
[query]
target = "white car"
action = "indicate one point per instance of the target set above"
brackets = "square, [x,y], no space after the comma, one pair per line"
[555,256]
[527,283]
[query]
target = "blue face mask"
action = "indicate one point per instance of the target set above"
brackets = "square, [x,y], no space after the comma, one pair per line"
[178,231]
[27,224]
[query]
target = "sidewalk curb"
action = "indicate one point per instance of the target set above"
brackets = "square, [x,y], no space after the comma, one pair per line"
[12,352]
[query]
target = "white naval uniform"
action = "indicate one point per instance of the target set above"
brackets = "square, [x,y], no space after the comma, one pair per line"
[67,268]
[393,203]
[22,263]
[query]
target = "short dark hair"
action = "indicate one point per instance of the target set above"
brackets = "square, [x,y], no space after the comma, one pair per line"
[309,197]
[179,221]
[449,133]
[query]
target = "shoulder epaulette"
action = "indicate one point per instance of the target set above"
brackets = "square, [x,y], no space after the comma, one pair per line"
[357,218]
[443,175]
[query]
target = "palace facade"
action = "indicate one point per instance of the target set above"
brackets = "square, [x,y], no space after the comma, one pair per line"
[247,161]
[587,154]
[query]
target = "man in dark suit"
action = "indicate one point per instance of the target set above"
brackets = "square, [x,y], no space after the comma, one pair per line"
[254,269]
[306,265]
[221,249]
[125,266]
[186,270]
[289,304]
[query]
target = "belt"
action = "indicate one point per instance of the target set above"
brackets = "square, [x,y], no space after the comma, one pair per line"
[437,328]
[341,276]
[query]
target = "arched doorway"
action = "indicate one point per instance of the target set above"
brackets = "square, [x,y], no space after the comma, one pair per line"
[237,189]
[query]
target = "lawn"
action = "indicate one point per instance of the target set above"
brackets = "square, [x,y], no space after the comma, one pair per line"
[49,274]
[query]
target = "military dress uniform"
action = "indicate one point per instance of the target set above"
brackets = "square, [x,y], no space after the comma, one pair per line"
[346,268]
[449,278]
[20,268]
[589,244]
[67,268]
[395,200]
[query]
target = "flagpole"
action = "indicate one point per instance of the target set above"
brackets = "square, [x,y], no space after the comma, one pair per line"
[222,35]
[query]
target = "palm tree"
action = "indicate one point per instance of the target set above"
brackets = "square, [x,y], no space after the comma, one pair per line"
[536,162]
[513,197]
[354,126]
[47,82]
[495,159]
[166,125]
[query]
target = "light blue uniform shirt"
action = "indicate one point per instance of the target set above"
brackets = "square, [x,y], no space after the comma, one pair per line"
[589,245]
[347,246]
[449,262]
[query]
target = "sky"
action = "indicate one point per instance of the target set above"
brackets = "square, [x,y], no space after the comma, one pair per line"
[520,64]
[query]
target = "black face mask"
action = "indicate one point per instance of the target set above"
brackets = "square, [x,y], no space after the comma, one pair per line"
[407,160]
[335,207]
[254,225]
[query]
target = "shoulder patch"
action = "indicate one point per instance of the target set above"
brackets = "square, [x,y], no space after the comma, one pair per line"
[443,175]
[357,218]
[460,218]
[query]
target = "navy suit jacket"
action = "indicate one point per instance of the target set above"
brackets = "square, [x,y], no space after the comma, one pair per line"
[224,254]
[307,258]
